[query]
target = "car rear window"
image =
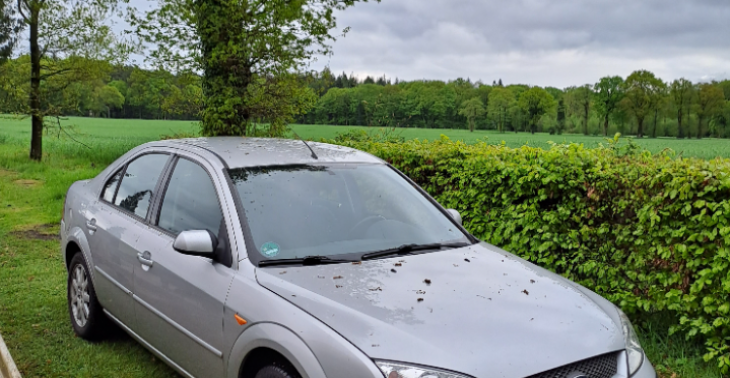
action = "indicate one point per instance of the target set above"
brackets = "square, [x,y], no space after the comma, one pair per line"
[139,182]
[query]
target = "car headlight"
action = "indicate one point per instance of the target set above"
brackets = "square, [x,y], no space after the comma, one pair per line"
[634,351]
[400,370]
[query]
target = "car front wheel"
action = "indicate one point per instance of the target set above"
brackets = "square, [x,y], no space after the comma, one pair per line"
[275,371]
[87,317]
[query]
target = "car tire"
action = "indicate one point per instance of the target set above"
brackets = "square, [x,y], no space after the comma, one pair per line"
[87,316]
[275,371]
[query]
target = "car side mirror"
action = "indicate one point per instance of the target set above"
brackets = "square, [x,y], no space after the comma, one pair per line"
[455,214]
[196,243]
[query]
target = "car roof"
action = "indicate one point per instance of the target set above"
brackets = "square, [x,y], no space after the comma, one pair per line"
[242,152]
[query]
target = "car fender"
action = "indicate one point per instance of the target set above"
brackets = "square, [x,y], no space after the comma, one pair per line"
[280,339]
[77,235]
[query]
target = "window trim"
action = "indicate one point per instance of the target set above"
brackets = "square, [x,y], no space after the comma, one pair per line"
[119,171]
[163,172]
[155,206]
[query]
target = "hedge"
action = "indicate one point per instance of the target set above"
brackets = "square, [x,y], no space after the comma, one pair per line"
[648,232]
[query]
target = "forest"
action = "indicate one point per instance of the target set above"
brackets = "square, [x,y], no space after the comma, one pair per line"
[640,104]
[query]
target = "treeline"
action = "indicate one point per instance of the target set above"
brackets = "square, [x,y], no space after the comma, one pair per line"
[640,104]
[103,90]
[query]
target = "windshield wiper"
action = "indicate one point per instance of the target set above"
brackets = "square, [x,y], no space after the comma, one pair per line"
[408,248]
[306,261]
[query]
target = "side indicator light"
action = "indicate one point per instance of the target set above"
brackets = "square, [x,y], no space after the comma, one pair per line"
[240,320]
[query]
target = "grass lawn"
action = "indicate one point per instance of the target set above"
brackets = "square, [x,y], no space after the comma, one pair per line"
[33,318]
[129,133]
[33,315]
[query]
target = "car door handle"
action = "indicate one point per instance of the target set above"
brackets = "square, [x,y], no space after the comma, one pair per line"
[145,258]
[91,224]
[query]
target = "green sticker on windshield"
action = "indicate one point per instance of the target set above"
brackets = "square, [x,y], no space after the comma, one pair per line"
[270,249]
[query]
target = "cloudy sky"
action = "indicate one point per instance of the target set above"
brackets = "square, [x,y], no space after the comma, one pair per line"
[540,42]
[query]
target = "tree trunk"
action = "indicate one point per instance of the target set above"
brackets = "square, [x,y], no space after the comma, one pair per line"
[586,112]
[36,139]
[605,126]
[227,71]
[680,131]
[689,119]
[640,127]
[656,114]
[699,127]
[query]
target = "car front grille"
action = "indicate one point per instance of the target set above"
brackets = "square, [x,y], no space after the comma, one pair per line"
[604,366]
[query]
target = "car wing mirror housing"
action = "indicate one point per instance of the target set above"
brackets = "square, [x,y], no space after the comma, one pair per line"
[455,214]
[196,243]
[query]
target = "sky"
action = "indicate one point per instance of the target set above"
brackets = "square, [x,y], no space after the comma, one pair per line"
[557,43]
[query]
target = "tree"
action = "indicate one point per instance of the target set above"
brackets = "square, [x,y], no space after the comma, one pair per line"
[681,91]
[472,109]
[10,26]
[657,101]
[710,102]
[608,94]
[641,89]
[535,102]
[241,47]
[559,97]
[74,30]
[719,124]
[501,103]
[106,98]
[578,102]
[277,100]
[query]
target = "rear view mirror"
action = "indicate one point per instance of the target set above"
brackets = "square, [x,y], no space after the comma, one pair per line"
[455,214]
[196,243]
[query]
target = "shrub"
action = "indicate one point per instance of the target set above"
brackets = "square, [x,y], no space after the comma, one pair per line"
[383,135]
[648,232]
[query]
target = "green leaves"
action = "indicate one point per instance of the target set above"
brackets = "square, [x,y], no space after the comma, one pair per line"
[647,232]
[247,51]
[536,102]
[472,109]
[10,27]
[608,93]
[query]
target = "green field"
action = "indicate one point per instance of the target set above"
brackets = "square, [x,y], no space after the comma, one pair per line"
[128,133]
[33,316]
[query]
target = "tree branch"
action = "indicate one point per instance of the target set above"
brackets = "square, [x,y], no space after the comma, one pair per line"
[48,75]
[20,10]
[58,119]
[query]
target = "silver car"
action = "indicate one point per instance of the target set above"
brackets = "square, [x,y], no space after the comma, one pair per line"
[240,257]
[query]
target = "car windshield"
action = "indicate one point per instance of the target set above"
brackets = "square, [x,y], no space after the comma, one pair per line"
[336,210]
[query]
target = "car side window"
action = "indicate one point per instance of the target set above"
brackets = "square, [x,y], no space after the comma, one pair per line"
[110,188]
[190,202]
[139,182]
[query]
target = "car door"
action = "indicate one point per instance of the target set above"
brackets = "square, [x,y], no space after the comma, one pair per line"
[179,299]
[114,222]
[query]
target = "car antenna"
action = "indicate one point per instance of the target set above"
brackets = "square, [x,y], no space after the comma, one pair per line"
[306,144]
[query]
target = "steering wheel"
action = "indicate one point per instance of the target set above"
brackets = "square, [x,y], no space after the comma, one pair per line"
[361,226]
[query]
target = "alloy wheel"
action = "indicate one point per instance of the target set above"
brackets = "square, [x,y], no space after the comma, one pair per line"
[79,296]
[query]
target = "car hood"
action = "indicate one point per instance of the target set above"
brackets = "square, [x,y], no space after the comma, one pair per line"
[477,310]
